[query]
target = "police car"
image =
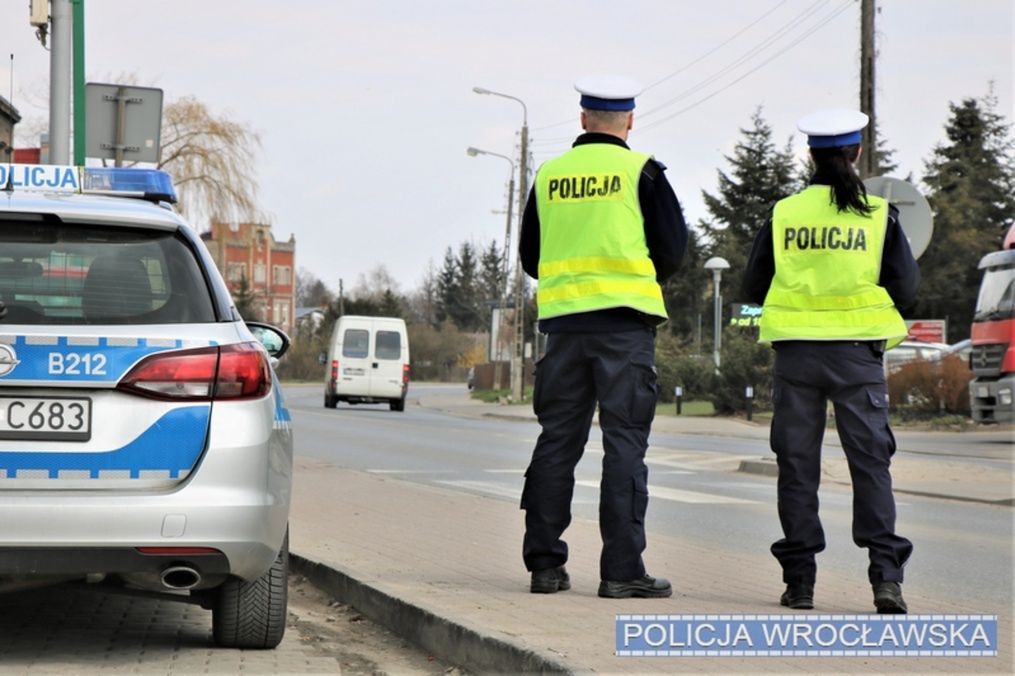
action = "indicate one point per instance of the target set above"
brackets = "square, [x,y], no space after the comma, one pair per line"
[144,441]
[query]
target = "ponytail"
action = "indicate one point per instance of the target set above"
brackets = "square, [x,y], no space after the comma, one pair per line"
[835,167]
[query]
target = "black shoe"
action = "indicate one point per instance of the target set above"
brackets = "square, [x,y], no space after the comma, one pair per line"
[550,580]
[798,596]
[888,598]
[646,587]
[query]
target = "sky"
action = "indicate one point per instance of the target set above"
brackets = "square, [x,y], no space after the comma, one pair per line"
[365,109]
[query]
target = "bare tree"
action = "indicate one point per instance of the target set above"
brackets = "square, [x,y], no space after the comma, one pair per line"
[209,157]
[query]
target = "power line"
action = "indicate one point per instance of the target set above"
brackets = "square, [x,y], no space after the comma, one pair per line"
[716,48]
[687,65]
[814,29]
[746,56]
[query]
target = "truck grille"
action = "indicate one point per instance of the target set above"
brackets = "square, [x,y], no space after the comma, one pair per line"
[986,359]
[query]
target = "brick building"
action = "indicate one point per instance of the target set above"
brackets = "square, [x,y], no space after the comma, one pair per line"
[249,250]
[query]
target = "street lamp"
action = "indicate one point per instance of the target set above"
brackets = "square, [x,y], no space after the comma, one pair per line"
[473,152]
[517,382]
[717,265]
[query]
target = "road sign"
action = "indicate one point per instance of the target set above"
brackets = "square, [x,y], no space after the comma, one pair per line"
[124,123]
[927,330]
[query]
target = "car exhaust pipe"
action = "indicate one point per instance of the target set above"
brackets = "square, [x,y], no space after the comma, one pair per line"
[180,578]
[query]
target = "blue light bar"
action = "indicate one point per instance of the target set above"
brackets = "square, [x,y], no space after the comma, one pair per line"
[150,184]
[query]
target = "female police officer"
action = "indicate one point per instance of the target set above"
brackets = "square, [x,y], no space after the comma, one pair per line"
[831,268]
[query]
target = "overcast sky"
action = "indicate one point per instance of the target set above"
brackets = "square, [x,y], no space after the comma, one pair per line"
[366,108]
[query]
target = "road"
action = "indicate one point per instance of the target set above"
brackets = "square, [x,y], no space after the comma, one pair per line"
[963,551]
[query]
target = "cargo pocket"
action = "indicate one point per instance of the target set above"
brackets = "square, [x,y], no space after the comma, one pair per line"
[644,394]
[639,501]
[879,405]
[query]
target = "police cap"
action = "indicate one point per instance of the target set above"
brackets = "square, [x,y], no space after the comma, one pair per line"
[607,92]
[833,128]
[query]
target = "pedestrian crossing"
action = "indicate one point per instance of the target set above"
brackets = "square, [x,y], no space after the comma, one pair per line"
[667,466]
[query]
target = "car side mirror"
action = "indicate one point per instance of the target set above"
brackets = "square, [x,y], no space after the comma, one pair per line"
[272,338]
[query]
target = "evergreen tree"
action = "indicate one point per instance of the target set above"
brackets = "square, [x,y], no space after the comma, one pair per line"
[468,311]
[491,279]
[447,288]
[971,181]
[684,292]
[247,300]
[760,176]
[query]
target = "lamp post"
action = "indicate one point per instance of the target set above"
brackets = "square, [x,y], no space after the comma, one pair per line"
[517,382]
[717,265]
[473,152]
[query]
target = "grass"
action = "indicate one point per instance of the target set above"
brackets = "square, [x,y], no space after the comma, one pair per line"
[691,408]
[498,396]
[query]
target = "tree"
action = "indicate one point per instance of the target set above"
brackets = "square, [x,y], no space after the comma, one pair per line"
[210,159]
[247,300]
[761,175]
[491,280]
[311,291]
[684,292]
[447,288]
[971,182]
[468,308]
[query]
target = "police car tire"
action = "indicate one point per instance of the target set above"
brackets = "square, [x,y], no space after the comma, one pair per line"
[253,614]
[397,404]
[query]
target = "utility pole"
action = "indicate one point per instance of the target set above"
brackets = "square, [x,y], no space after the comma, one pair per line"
[341,298]
[518,359]
[868,162]
[79,81]
[60,57]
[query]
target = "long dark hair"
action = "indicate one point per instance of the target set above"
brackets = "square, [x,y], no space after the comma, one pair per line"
[834,166]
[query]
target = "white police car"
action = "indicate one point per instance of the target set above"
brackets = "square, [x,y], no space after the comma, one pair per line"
[144,442]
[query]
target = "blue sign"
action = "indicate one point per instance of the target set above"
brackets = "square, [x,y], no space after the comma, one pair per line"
[806,635]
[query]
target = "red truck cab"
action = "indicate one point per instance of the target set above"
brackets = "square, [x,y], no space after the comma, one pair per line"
[992,390]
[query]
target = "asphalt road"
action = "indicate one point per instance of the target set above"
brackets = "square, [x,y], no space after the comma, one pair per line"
[963,551]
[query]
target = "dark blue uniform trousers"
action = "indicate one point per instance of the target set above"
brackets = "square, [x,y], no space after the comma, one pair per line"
[579,369]
[851,374]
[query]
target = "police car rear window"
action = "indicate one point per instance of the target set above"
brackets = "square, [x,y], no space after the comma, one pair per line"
[54,273]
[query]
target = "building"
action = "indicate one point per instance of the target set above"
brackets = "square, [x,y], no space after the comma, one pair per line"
[249,251]
[9,116]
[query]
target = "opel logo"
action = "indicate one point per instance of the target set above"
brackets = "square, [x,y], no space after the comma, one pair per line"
[8,360]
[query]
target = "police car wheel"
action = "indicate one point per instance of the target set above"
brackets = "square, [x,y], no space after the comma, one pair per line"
[253,614]
[397,404]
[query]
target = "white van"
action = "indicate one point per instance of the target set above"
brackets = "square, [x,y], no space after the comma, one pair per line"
[368,362]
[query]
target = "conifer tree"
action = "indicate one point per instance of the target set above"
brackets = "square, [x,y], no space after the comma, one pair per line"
[971,184]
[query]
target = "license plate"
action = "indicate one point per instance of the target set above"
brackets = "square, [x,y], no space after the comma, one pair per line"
[355,372]
[46,418]
[983,391]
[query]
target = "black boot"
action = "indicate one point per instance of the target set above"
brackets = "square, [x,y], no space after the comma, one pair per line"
[550,580]
[888,598]
[798,596]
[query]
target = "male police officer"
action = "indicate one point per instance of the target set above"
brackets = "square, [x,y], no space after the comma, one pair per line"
[831,267]
[602,228]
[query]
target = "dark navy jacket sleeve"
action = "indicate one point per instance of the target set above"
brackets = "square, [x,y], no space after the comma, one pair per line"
[528,239]
[900,274]
[665,229]
[760,267]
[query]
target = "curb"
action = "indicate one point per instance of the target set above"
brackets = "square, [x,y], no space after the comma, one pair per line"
[450,641]
[769,468]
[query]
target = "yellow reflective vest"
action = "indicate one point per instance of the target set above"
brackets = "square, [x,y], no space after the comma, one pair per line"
[592,249]
[827,267]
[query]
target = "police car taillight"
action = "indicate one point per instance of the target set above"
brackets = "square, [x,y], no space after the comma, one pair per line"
[207,373]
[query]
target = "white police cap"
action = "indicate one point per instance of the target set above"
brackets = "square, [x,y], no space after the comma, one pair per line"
[833,128]
[607,92]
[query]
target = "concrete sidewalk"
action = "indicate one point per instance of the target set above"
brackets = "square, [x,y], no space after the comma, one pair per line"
[443,568]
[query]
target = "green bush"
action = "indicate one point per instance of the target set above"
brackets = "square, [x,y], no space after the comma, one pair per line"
[678,364]
[743,363]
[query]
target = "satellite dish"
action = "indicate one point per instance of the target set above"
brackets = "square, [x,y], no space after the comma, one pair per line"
[914,210]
